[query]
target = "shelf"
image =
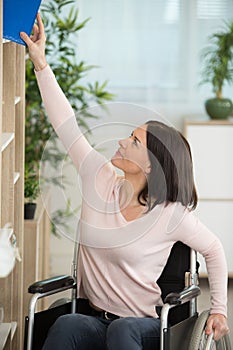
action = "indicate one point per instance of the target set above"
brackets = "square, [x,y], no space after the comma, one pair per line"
[7,138]
[17,99]
[12,141]
[204,275]
[13,329]
[16,177]
[203,199]
[5,329]
[204,120]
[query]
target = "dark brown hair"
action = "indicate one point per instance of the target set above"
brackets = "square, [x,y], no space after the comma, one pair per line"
[171,176]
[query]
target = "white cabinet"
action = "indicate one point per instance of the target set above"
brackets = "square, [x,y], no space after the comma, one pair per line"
[212,149]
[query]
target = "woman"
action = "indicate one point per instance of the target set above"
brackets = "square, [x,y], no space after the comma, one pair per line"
[128,226]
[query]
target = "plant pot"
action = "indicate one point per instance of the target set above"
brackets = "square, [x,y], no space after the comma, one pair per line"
[218,108]
[29,211]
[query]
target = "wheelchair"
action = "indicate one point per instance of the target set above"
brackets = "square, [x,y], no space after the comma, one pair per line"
[181,326]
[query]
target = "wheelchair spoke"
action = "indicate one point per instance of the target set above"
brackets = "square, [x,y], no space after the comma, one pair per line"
[207,343]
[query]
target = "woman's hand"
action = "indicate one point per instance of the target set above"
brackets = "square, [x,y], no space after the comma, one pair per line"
[217,324]
[36,44]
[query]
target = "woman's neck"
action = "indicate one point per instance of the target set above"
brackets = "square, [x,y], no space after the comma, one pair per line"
[130,189]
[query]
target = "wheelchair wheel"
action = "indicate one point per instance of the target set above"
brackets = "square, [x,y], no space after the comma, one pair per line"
[199,340]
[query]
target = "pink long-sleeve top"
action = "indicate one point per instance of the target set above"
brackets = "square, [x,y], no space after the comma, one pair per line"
[120,261]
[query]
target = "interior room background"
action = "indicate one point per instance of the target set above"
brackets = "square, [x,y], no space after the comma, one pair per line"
[150,53]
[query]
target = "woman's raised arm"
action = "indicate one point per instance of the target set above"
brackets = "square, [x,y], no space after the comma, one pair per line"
[56,104]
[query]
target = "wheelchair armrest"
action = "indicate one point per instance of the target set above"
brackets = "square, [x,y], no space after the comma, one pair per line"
[184,296]
[51,284]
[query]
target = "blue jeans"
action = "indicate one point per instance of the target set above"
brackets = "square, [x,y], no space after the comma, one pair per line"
[81,332]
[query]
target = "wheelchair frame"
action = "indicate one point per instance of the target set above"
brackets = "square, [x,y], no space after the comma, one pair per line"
[189,294]
[168,335]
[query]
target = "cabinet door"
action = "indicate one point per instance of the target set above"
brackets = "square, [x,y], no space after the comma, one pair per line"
[212,149]
[217,216]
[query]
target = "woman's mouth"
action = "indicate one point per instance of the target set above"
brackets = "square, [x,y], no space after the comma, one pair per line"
[118,154]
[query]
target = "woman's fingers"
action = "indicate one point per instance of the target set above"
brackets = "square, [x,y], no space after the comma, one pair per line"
[35,36]
[36,44]
[26,38]
[217,324]
[40,24]
[38,32]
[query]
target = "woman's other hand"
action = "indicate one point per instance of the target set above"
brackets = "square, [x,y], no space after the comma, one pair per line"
[36,44]
[217,324]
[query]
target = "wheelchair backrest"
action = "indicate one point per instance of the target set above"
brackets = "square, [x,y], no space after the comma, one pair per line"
[172,279]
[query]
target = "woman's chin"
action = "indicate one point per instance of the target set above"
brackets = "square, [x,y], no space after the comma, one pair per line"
[116,162]
[113,160]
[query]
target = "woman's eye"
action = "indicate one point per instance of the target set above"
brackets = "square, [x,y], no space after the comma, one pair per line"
[134,141]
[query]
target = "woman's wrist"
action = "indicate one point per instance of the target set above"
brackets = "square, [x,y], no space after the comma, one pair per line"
[40,65]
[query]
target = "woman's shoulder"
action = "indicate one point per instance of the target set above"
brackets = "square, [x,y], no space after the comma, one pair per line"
[178,216]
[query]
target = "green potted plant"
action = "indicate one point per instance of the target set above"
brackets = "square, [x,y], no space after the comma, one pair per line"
[217,70]
[31,191]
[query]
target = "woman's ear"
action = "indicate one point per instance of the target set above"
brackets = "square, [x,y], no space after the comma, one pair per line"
[148,169]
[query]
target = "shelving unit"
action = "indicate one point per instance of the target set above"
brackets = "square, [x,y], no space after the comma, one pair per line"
[12,115]
[36,259]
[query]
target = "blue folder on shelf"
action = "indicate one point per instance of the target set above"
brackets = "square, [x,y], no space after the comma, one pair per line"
[19,16]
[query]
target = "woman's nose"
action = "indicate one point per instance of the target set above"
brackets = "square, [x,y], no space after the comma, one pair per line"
[122,143]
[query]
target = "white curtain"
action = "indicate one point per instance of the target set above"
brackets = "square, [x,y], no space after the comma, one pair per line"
[150,50]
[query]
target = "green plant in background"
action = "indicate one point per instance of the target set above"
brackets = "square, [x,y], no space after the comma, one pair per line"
[218,68]
[61,26]
[31,186]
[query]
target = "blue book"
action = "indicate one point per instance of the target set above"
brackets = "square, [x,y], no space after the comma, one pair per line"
[19,16]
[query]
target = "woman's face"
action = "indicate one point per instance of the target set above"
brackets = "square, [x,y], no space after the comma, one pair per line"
[132,155]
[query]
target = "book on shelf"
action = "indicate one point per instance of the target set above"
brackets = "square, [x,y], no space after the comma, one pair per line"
[19,16]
